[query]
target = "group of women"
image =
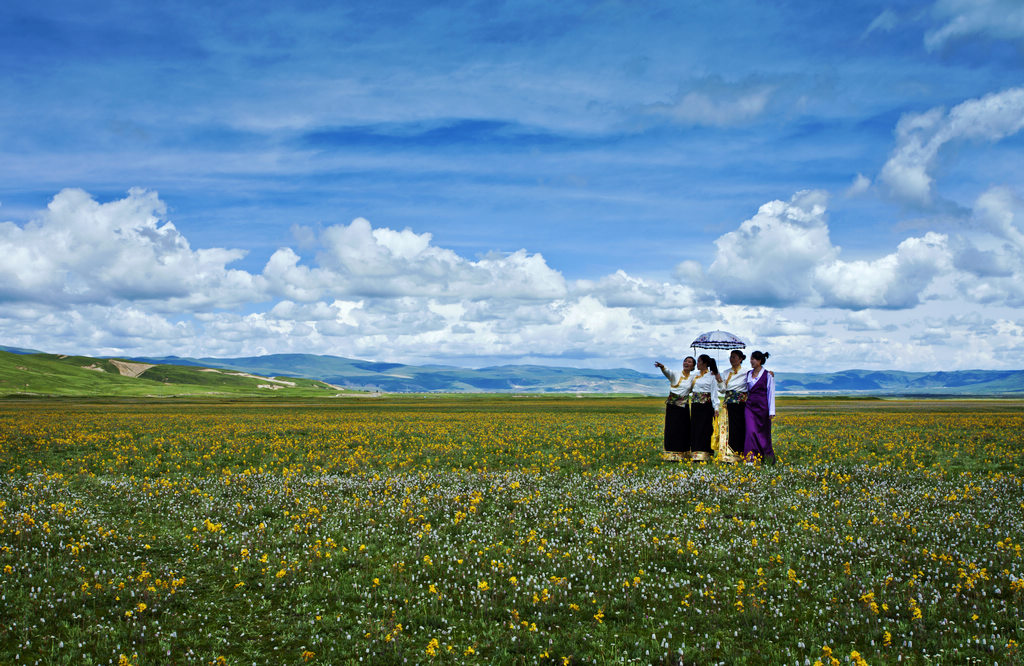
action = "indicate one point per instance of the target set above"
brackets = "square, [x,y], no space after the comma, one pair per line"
[707,413]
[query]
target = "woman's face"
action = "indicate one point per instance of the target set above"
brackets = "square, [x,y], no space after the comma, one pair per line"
[688,364]
[735,359]
[701,365]
[754,363]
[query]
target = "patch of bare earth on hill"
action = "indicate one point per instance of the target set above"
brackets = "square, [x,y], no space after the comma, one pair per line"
[128,369]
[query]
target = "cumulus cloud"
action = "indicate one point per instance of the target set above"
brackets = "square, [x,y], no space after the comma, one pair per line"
[784,256]
[373,292]
[991,256]
[80,251]
[919,138]
[896,280]
[1000,19]
[358,259]
[771,257]
[623,290]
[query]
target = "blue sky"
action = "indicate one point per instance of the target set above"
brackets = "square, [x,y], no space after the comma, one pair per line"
[476,183]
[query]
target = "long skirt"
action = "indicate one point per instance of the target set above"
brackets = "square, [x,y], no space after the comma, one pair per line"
[677,428]
[702,418]
[737,426]
[758,442]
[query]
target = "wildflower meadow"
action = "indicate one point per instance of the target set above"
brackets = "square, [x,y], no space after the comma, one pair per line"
[506,530]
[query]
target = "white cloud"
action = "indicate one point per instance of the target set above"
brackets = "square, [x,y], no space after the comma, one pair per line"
[393,295]
[884,22]
[358,259]
[1001,19]
[623,290]
[919,137]
[1000,212]
[991,256]
[896,280]
[771,257]
[80,251]
[714,102]
[860,185]
[784,256]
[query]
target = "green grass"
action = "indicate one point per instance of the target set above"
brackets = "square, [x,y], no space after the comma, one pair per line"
[41,375]
[504,530]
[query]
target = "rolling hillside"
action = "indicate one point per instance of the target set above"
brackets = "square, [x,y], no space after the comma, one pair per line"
[59,375]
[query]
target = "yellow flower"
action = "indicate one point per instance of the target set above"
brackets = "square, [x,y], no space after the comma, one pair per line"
[482,585]
[281,573]
[307,655]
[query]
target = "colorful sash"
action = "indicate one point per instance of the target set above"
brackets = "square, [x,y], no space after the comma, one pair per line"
[701,398]
[678,400]
[734,397]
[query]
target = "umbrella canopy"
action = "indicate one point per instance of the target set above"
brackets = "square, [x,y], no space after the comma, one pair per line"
[717,340]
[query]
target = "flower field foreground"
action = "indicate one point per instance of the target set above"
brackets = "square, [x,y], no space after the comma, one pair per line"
[506,531]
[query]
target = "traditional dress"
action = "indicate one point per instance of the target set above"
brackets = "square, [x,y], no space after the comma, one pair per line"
[677,414]
[703,401]
[732,416]
[760,408]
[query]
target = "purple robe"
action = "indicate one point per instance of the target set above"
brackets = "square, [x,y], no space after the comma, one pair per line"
[758,441]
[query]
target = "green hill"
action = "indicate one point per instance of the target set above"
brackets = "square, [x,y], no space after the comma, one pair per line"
[58,375]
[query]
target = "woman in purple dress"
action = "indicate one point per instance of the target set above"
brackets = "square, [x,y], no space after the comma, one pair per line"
[760,410]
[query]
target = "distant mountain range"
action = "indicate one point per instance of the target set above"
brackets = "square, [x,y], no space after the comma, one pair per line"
[399,378]
[353,374]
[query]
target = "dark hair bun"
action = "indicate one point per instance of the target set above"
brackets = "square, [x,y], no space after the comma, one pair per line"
[767,356]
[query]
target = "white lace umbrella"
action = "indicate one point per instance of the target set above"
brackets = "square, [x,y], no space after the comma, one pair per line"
[718,340]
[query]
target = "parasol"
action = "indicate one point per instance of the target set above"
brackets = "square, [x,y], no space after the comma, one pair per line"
[717,340]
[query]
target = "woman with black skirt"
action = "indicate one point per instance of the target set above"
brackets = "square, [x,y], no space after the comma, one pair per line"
[703,407]
[677,409]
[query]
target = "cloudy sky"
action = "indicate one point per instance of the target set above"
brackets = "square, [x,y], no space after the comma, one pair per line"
[476,183]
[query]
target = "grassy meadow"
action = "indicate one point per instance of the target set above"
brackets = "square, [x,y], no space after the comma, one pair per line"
[505,530]
[28,376]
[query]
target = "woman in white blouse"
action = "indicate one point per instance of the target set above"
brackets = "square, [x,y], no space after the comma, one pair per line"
[677,408]
[732,418]
[703,407]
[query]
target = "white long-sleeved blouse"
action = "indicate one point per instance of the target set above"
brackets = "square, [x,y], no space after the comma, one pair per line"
[707,383]
[771,387]
[680,384]
[733,381]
